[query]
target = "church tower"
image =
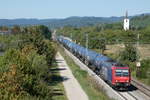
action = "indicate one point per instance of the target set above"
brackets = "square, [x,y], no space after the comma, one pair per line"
[126,22]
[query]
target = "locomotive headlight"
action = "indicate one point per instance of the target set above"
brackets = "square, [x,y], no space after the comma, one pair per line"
[116,80]
[127,80]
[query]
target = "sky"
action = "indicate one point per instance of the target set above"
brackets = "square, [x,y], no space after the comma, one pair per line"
[45,9]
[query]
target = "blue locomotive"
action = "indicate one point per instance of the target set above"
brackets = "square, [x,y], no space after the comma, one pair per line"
[113,72]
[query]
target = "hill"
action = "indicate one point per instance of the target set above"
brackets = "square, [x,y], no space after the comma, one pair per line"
[84,21]
[71,21]
[141,20]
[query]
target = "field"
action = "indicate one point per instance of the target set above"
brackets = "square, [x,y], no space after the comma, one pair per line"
[144,50]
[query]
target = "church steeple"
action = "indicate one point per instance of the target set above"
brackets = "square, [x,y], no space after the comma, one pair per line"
[126,14]
[126,22]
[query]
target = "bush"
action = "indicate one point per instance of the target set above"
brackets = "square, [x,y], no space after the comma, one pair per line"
[24,68]
[145,69]
[24,75]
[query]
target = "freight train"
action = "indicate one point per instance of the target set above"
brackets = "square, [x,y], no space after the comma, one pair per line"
[111,71]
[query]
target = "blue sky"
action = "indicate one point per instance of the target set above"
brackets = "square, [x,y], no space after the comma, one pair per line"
[10,9]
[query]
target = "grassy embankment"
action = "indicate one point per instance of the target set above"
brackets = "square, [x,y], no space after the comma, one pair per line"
[94,91]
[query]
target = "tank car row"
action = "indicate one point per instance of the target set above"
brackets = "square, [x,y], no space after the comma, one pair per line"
[111,71]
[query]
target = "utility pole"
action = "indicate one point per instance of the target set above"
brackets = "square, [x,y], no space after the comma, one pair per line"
[54,35]
[71,40]
[71,36]
[138,63]
[86,44]
[102,45]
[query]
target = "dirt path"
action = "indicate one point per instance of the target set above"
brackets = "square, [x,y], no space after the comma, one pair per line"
[72,87]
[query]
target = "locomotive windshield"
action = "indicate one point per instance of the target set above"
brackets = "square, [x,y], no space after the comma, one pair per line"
[122,72]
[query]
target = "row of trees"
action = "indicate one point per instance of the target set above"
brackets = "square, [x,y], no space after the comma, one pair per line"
[100,35]
[13,40]
[24,69]
[113,36]
[17,30]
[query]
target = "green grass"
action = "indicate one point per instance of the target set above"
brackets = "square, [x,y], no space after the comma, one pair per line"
[87,83]
[60,95]
[58,88]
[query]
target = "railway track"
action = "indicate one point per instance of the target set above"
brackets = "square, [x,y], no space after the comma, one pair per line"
[144,89]
[128,96]
[139,94]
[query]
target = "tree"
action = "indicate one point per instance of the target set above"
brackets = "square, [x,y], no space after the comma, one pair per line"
[130,53]
[4,28]
[45,31]
[23,74]
[16,29]
[43,46]
[102,45]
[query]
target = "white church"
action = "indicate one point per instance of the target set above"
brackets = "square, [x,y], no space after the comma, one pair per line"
[126,24]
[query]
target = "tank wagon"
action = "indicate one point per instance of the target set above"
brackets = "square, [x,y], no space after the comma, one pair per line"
[111,71]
